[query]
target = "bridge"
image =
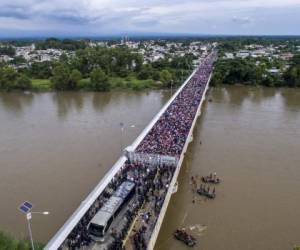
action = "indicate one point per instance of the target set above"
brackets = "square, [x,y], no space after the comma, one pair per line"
[152,163]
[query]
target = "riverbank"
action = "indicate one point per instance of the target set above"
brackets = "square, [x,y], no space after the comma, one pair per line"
[114,82]
[8,242]
[128,83]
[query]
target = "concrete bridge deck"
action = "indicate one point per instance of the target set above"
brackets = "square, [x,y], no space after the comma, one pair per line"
[155,222]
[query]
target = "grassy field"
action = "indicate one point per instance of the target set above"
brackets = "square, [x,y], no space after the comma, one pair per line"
[41,84]
[130,82]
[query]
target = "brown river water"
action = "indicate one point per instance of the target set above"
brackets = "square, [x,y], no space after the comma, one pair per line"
[55,147]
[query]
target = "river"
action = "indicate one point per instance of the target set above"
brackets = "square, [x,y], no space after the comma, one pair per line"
[251,138]
[55,147]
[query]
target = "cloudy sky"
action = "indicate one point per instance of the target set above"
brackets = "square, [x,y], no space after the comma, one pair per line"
[108,17]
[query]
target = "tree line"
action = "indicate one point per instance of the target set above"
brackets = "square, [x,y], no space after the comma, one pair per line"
[64,44]
[11,79]
[96,66]
[246,71]
[7,50]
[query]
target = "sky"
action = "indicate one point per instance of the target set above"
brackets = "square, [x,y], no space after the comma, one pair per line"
[21,18]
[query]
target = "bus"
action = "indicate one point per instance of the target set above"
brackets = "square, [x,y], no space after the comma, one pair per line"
[102,220]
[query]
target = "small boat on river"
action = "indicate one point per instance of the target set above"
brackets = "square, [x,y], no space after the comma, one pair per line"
[182,235]
[203,191]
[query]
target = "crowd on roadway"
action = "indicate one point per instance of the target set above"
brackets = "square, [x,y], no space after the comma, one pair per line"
[167,137]
[143,175]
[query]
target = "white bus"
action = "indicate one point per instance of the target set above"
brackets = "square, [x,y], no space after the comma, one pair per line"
[102,220]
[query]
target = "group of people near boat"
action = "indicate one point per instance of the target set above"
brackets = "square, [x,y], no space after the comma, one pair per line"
[167,137]
[212,178]
[204,190]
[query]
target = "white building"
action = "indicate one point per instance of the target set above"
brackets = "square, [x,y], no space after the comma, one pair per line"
[273,71]
[243,54]
[229,56]
[5,58]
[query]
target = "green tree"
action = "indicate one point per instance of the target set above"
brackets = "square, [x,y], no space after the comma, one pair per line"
[65,44]
[23,82]
[292,76]
[8,78]
[296,60]
[60,78]
[7,50]
[40,70]
[138,62]
[99,80]
[145,72]
[19,60]
[156,75]
[165,77]
[74,78]
[217,79]
[63,58]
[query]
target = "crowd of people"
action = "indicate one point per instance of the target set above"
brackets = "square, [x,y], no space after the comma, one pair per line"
[139,241]
[167,137]
[143,176]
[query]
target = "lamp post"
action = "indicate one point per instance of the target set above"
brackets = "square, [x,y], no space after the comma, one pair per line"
[29,217]
[26,208]
[122,129]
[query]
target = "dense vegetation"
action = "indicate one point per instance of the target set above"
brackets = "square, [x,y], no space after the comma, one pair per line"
[11,79]
[292,75]
[246,71]
[7,242]
[7,50]
[65,44]
[231,44]
[98,69]
[101,68]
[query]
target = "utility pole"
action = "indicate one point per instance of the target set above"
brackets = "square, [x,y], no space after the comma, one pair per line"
[28,217]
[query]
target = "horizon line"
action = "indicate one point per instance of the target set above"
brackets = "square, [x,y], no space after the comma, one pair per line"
[144,35]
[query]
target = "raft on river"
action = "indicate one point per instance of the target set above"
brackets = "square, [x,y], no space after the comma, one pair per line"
[182,235]
[203,191]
